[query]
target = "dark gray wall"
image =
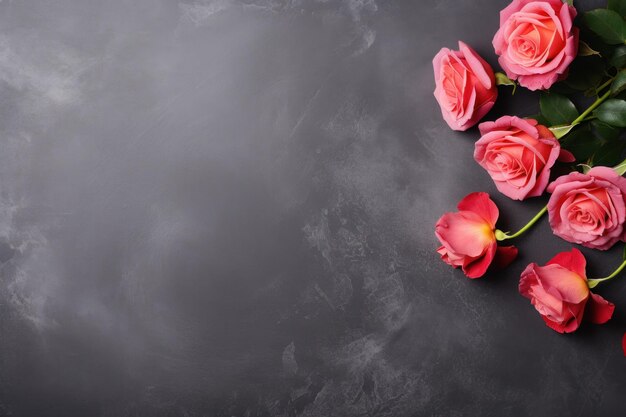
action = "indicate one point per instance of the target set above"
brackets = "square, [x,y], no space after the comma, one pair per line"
[226,208]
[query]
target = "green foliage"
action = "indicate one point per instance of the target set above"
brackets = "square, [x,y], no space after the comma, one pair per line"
[560,131]
[621,170]
[609,153]
[603,131]
[557,109]
[585,73]
[596,143]
[619,83]
[581,142]
[502,79]
[612,112]
[607,24]
[585,50]
[618,59]
[618,6]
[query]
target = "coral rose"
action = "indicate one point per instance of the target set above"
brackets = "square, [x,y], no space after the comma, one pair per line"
[536,41]
[589,209]
[468,239]
[560,294]
[465,86]
[517,154]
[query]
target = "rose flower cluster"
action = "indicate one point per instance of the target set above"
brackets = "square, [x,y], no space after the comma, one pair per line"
[574,61]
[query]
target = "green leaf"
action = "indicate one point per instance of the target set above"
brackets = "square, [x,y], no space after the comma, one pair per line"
[603,131]
[619,83]
[570,2]
[592,39]
[585,50]
[608,24]
[613,112]
[557,109]
[560,131]
[609,153]
[563,88]
[619,6]
[585,73]
[581,143]
[502,79]
[618,59]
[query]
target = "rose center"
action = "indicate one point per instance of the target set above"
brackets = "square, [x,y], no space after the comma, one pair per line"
[525,48]
[533,38]
[504,164]
[586,220]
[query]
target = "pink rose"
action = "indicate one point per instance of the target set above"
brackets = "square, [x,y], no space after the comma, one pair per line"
[465,86]
[589,209]
[560,294]
[536,41]
[467,236]
[517,154]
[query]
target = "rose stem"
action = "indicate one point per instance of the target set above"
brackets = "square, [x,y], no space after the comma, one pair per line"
[500,235]
[591,108]
[603,86]
[583,117]
[593,282]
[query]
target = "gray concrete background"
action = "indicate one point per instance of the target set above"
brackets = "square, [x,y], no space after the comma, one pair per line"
[226,208]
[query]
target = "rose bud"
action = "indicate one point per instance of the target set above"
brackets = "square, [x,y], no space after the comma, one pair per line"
[468,236]
[465,86]
[560,294]
[536,41]
[588,209]
[518,154]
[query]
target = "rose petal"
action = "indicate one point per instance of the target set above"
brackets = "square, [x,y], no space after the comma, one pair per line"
[504,256]
[477,64]
[557,327]
[481,204]
[528,277]
[476,268]
[566,156]
[464,232]
[570,286]
[573,260]
[599,310]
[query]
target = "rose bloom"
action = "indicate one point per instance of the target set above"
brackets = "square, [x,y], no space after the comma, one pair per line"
[518,154]
[589,209]
[536,41]
[465,86]
[467,236]
[560,294]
